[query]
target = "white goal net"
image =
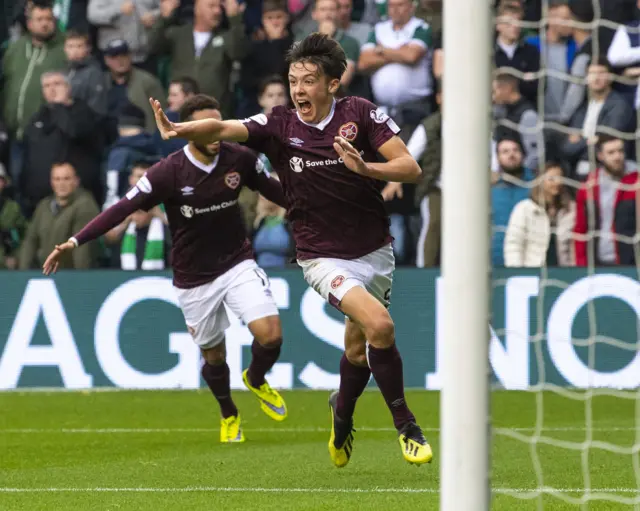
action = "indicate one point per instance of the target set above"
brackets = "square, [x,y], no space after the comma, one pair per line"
[566,411]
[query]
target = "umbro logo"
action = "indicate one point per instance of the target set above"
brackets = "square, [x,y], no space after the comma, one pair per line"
[296,141]
[187,190]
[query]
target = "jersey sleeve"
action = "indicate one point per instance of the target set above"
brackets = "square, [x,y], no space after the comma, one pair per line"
[379,126]
[422,36]
[264,131]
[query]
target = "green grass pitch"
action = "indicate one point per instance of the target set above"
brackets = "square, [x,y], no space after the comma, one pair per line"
[159,450]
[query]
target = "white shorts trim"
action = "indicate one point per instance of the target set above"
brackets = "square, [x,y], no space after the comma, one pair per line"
[334,278]
[244,290]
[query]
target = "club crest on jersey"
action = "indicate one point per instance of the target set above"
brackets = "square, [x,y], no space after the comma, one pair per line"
[232,180]
[349,131]
[187,211]
[296,164]
[337,282]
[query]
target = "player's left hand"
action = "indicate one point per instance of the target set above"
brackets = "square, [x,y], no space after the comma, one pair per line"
[350,156]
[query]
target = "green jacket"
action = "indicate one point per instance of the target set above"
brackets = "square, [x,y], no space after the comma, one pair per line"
[12,228]
[23,65]
[431,161]
[213,68]
[140,87]
[52,225]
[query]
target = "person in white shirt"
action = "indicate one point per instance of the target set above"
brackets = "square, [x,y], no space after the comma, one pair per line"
[540,227]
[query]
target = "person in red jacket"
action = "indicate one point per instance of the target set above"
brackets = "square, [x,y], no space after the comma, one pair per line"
[606,209]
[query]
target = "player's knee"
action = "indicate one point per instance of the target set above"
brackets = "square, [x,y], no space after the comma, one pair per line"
[380,331]
[215,356]
[269,332]
[357,355]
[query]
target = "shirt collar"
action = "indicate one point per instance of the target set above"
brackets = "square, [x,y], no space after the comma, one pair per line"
[324,122]
[206,168]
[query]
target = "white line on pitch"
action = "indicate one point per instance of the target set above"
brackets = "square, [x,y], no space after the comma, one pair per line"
[214,489]
[279,430]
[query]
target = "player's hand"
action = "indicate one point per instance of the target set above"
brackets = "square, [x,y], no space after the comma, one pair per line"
[234,8]
[350,156]
[391,191]
[51,264]
[165,126]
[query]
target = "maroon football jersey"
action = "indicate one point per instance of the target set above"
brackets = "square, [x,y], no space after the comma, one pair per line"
[207,227]
[333,211]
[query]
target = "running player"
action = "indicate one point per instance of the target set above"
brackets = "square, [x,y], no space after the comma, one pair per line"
[212,258]
[324,151]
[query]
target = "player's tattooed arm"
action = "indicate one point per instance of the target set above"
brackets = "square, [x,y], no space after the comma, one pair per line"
[204,131]
[400,166]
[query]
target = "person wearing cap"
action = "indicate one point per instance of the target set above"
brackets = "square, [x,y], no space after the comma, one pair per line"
[133,145]
[12,225]
[203,50]
[124,19]
[63,129]
[128,84]
[57,217]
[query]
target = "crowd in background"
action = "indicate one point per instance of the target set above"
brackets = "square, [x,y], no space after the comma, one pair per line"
[76,128]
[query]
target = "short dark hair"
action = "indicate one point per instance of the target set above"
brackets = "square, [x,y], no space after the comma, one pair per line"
[601,60]
[63,163]
[605,138]
[506,78]
[140,164]
[72,33]
[274,5]
[270,80]
[196,104]
[188,85]
[322,51]
[510,8]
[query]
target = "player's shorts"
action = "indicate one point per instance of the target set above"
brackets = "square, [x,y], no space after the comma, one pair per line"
[333,278]
[244,289]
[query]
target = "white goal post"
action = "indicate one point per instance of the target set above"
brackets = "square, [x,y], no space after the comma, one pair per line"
[464,405]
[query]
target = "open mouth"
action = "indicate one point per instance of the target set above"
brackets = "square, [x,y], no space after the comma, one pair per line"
[304,107]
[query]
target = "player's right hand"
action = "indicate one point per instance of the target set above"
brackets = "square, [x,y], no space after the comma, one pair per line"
[51,264]
[165,126]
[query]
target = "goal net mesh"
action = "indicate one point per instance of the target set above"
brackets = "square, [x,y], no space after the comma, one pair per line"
[577,436]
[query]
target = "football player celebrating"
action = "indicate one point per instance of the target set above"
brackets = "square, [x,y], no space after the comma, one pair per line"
[211,257]
[325,153]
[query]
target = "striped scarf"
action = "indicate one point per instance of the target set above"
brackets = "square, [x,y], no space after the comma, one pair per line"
[153,250]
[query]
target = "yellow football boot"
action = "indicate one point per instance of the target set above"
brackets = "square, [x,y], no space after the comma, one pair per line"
[271,401]
[231,430]
[341,439]
[415,448]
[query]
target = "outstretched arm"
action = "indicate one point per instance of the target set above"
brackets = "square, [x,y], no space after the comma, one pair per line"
[204,131]
[400,166]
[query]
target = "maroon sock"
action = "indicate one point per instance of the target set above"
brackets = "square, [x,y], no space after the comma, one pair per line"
[262,360]
[353,381]
[386,366]
[217,377]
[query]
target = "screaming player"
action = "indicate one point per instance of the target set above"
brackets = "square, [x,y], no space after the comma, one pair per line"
[212,258]
[324,151]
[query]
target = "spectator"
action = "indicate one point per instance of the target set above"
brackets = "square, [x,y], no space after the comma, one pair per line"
[130,85]
[437,62]
[272,240]
[62,130]
[509,187]
[180,90]
[267,55]
[397,57]
[143,238]
[514,115]
[541,226]
[37,52]
[425,146]
[512,52]
[624,52]
[88,82]
[575,95]
[203,50]
[605,109]
[128,20]
[431,12]
[358,31]
[133,145]
[71,14]
[56,219]
[609,196]
[325,16]
[12,225]
[4,145]
[559,51]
